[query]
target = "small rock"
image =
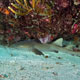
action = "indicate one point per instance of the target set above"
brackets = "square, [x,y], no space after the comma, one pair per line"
[73,65]
[54,73]
[59,57]
[3,76]
[47,67]
[58,63]
[46,56]
[72,54]
[22,68]
[11,54]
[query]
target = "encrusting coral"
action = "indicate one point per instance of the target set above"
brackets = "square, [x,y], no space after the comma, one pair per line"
[44,20]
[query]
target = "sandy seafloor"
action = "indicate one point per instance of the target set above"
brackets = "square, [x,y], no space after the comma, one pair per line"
[21,64]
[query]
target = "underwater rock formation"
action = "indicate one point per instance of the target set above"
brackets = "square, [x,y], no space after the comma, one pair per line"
[31,19]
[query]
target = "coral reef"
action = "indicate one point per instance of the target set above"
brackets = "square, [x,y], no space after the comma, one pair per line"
[44,20]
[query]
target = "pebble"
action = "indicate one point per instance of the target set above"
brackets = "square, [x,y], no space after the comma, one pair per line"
[54,73]
[59,57]
[58,63]
[46,56]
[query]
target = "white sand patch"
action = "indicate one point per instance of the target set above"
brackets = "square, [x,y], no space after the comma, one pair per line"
[23,64]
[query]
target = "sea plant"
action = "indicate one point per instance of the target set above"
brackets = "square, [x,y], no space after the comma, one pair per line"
[24,7]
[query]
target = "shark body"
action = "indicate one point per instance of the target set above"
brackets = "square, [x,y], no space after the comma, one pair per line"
[32,45]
